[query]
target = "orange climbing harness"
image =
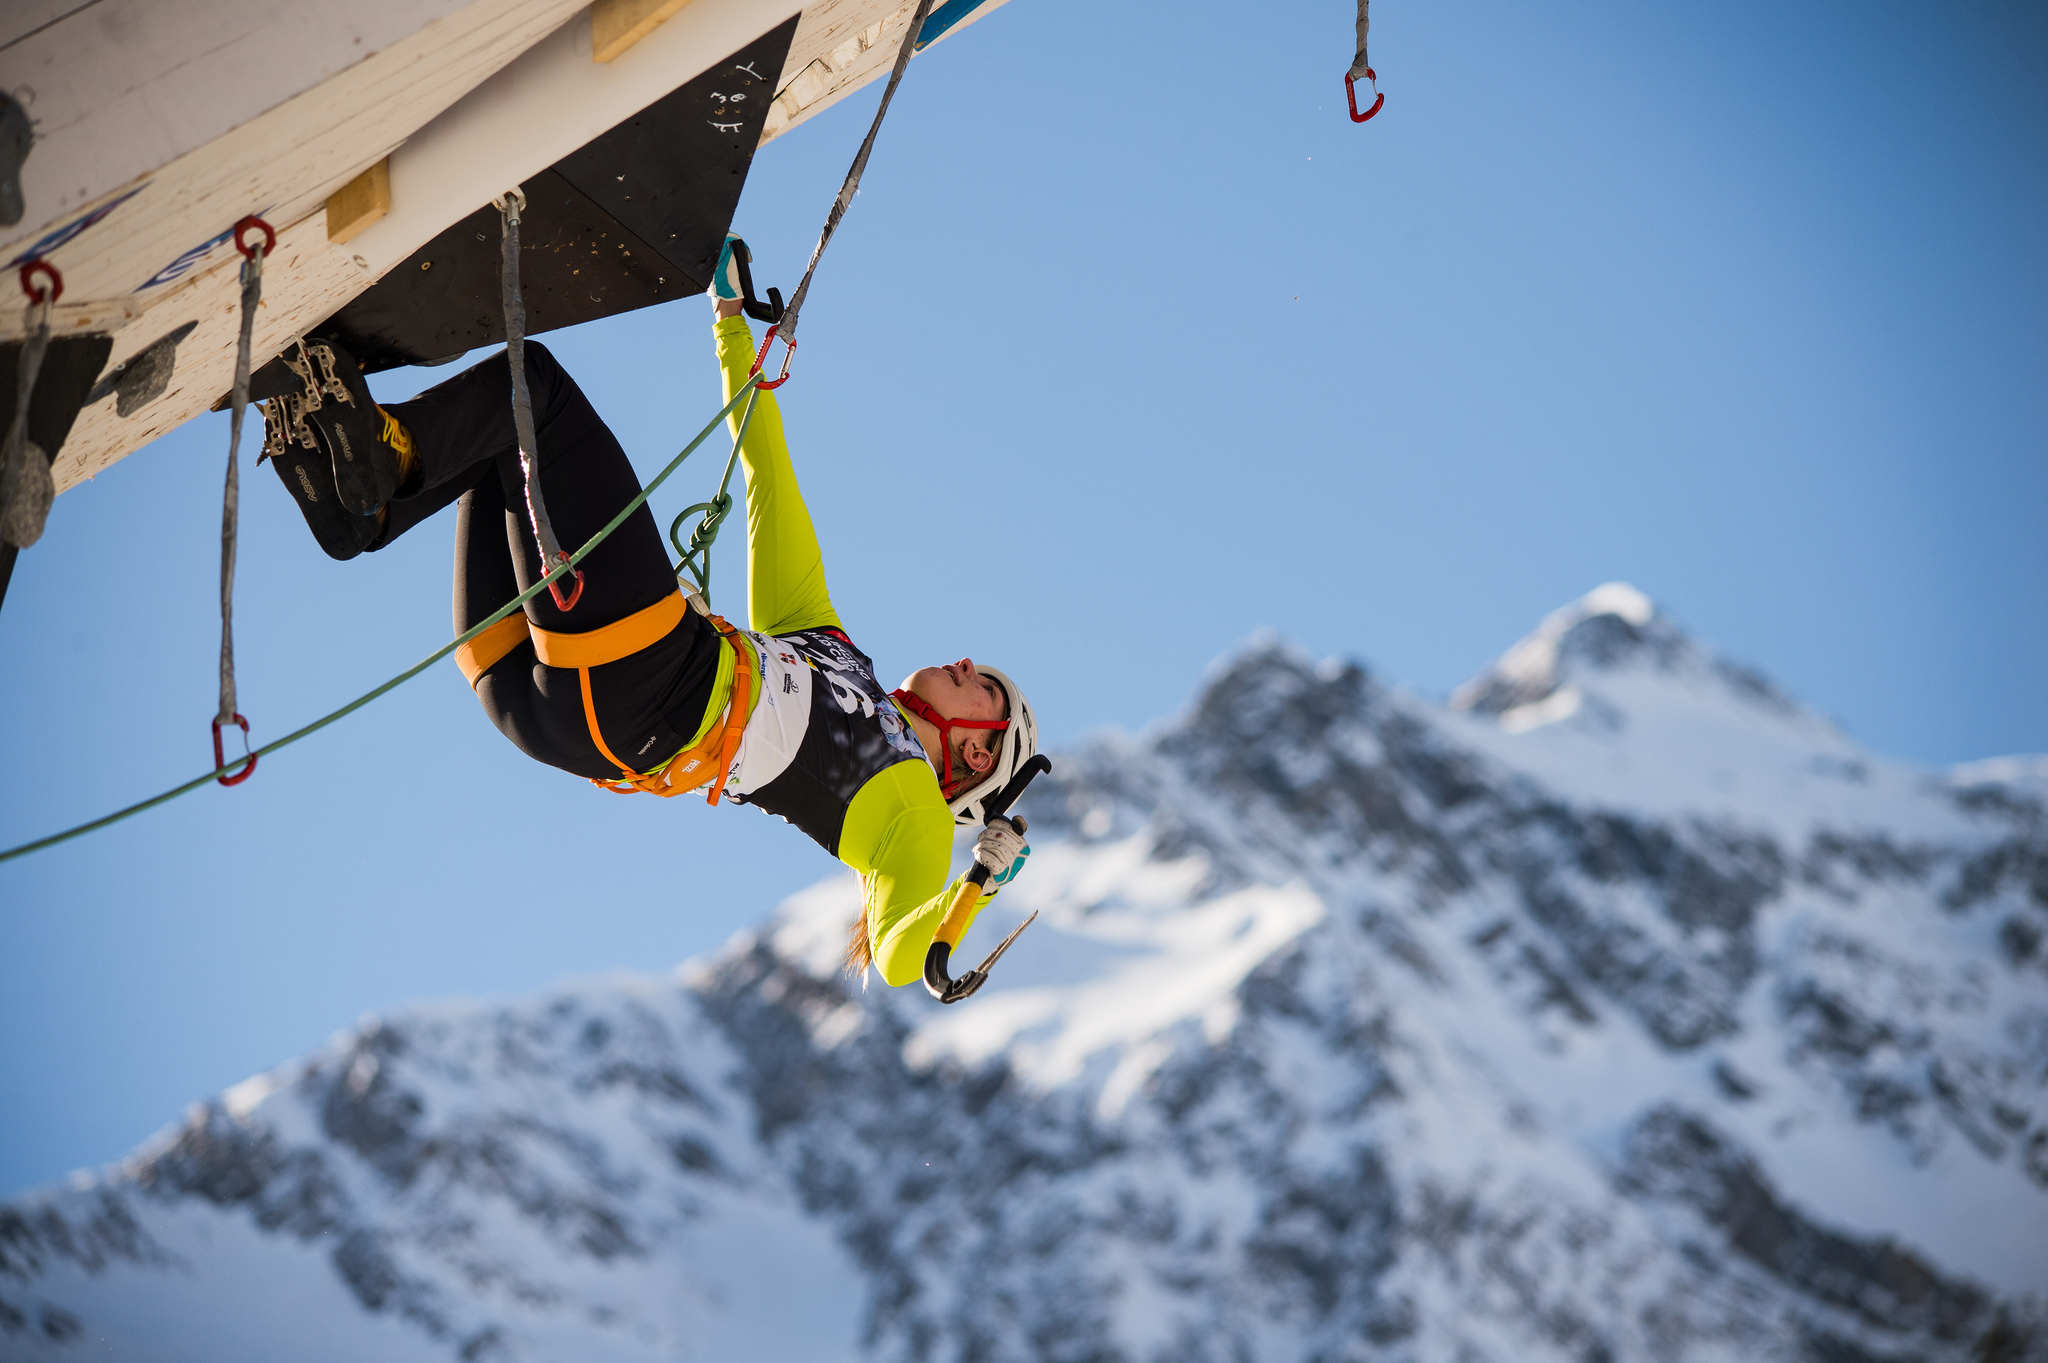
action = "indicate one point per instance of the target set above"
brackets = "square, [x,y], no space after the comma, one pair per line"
[708,758]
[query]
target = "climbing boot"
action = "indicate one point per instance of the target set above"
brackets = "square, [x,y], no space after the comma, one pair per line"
[326,408]
[308,475]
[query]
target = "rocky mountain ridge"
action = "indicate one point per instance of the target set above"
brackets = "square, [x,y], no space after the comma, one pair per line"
[1623,1009]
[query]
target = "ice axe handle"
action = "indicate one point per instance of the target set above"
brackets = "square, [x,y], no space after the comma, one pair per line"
[941,985]
[998,804]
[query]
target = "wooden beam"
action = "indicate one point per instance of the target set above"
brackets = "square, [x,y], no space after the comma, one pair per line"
[291,157]
[359,203]
[616,25]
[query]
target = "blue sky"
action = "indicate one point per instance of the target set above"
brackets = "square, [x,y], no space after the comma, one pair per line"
[1745,304]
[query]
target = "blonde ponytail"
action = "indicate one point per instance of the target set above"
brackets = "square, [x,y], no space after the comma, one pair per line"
[859,955]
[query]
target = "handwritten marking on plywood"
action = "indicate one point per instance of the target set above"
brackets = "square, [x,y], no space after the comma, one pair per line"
[359,203]
[840,46]
[616,25]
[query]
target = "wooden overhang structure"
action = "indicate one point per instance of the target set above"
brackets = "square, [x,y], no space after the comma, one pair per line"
[373,135]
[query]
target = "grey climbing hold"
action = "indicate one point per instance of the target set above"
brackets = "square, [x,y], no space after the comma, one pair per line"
[34,490]
[16,139]
[142,378]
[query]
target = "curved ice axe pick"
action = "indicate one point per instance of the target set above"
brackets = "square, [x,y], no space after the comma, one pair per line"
[770,311]
[954,926]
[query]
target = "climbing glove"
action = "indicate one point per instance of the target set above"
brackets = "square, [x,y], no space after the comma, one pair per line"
[725,279]
[1001,848]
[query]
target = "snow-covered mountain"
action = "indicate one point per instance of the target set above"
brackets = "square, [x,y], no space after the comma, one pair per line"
[1622,1010]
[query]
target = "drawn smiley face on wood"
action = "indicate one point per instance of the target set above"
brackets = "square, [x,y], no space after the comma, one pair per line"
[729,109]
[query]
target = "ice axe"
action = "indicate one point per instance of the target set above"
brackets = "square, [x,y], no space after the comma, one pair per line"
[954,926]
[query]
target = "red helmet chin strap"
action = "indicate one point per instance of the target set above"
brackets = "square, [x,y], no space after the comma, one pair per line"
[919,706]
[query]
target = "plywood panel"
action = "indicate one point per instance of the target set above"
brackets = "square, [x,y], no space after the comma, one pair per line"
[840,47]
[533,112]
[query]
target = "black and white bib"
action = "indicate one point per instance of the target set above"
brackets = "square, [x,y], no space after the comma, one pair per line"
[823,726]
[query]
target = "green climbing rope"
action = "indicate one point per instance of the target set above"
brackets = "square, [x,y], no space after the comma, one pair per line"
[751,386]
[696,555]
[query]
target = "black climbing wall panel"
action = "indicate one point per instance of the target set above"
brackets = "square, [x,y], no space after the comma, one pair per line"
[634,218]
[69,367]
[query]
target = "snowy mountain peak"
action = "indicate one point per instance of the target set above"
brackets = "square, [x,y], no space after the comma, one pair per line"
[1350,1028]
[1611,632]
[1606,627]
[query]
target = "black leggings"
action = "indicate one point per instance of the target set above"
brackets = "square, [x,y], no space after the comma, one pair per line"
[648,704]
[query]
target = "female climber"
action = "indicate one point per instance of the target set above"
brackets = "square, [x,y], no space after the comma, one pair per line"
[639,688]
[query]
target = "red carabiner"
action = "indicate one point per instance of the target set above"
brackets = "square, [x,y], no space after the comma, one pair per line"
[1351,96]
[555,588]
[220,760]
[39,266]
[788,353]
[269,236]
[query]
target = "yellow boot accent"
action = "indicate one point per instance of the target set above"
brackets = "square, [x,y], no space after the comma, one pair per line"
[400,441]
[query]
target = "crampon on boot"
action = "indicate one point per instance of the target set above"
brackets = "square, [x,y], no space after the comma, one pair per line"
[308,475]
[326,408]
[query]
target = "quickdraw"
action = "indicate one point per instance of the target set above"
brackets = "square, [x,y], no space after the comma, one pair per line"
[230,500]
[1361,65]
[554,562]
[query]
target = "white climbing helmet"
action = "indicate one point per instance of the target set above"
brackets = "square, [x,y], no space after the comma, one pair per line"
[1019,745]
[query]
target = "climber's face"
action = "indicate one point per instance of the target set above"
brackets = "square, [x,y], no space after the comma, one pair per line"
[957,691]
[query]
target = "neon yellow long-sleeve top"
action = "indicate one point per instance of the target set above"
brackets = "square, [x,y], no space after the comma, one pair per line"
[820,713]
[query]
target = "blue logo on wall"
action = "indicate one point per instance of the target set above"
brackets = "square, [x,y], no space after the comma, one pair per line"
[183,264]
[61,236]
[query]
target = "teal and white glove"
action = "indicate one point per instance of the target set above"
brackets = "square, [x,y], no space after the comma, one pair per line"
[1002,849]
[725,279]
